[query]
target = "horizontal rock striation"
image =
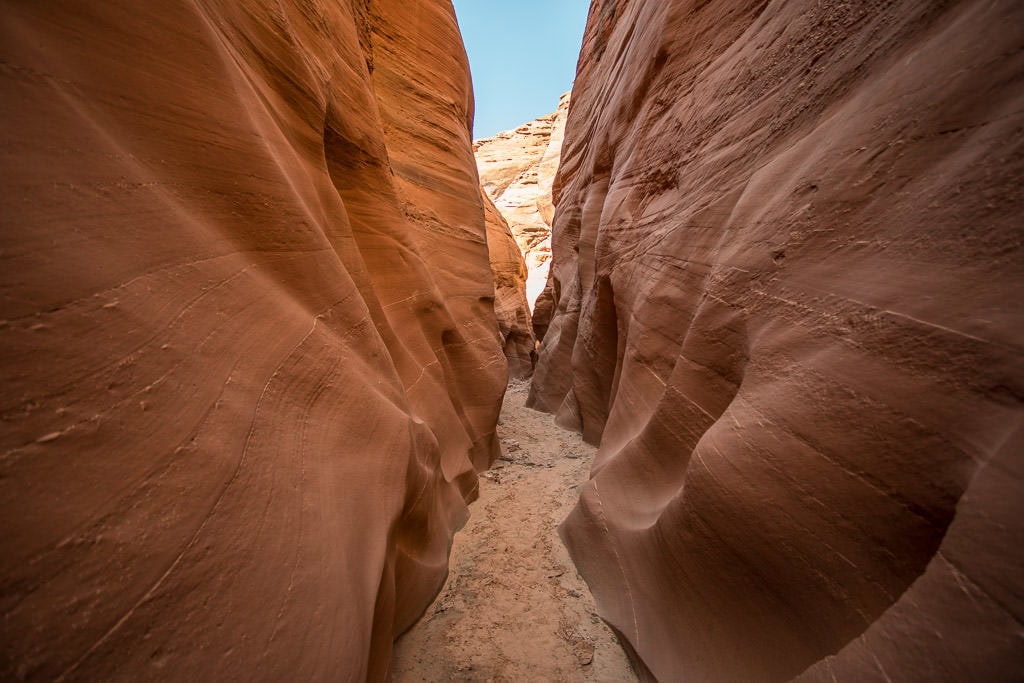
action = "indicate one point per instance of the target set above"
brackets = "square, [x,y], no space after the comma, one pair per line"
[510,306]
[250,363]
[517,169]
[787,279]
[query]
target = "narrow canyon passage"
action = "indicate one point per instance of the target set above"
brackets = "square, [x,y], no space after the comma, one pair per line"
[514,607]
[267,268]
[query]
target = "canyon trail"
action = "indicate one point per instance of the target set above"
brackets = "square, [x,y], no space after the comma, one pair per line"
[514,608]
[259,307]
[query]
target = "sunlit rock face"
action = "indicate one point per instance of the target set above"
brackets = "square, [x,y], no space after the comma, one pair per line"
[788,278]
[250,361]
[510,306]
[517,169]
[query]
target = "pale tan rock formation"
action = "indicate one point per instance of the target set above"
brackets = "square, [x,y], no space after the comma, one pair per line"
[250,363]
[788,279]
[510,307]
[517,169]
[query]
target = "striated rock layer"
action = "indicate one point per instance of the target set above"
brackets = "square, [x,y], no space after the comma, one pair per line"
[250,361]
[788,277]
[510,306]
[517,169]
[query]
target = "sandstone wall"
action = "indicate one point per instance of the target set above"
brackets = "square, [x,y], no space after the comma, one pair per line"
[510,306]
[788,278]
[250,362]
[517,169]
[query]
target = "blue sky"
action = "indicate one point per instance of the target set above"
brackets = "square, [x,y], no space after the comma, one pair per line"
[522,54]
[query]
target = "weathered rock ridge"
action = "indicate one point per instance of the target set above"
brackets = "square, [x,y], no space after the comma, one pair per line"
[517,169]
[788,276]
[510,306]
[250,362]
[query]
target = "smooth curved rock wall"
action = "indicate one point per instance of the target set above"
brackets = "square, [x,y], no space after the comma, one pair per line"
[250,362]
[787,279]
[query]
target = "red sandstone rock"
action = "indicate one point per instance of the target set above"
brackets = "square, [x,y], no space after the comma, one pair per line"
[543,309]
[250,361]
[517,169]
[510,307]
[788,278]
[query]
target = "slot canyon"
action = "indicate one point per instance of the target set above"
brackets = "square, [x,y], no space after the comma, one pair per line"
[713,373]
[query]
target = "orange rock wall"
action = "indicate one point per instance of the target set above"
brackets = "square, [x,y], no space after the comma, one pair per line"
[517,169]
[510,306]
[787,277]
[250,362]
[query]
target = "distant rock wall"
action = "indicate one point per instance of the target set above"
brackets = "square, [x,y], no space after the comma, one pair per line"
[517,169]
[510,307]
[250,362]
[788,282]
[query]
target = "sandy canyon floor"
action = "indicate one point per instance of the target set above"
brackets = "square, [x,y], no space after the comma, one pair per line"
[514,608]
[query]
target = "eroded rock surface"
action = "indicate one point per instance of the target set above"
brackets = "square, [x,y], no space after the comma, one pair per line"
[250,363]
[510,306]
[517,169]
[788,278]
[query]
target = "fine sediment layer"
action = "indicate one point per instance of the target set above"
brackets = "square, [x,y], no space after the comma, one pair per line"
[250,362]
[787,279]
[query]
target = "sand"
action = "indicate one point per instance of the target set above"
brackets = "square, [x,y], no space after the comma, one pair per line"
[514,608]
